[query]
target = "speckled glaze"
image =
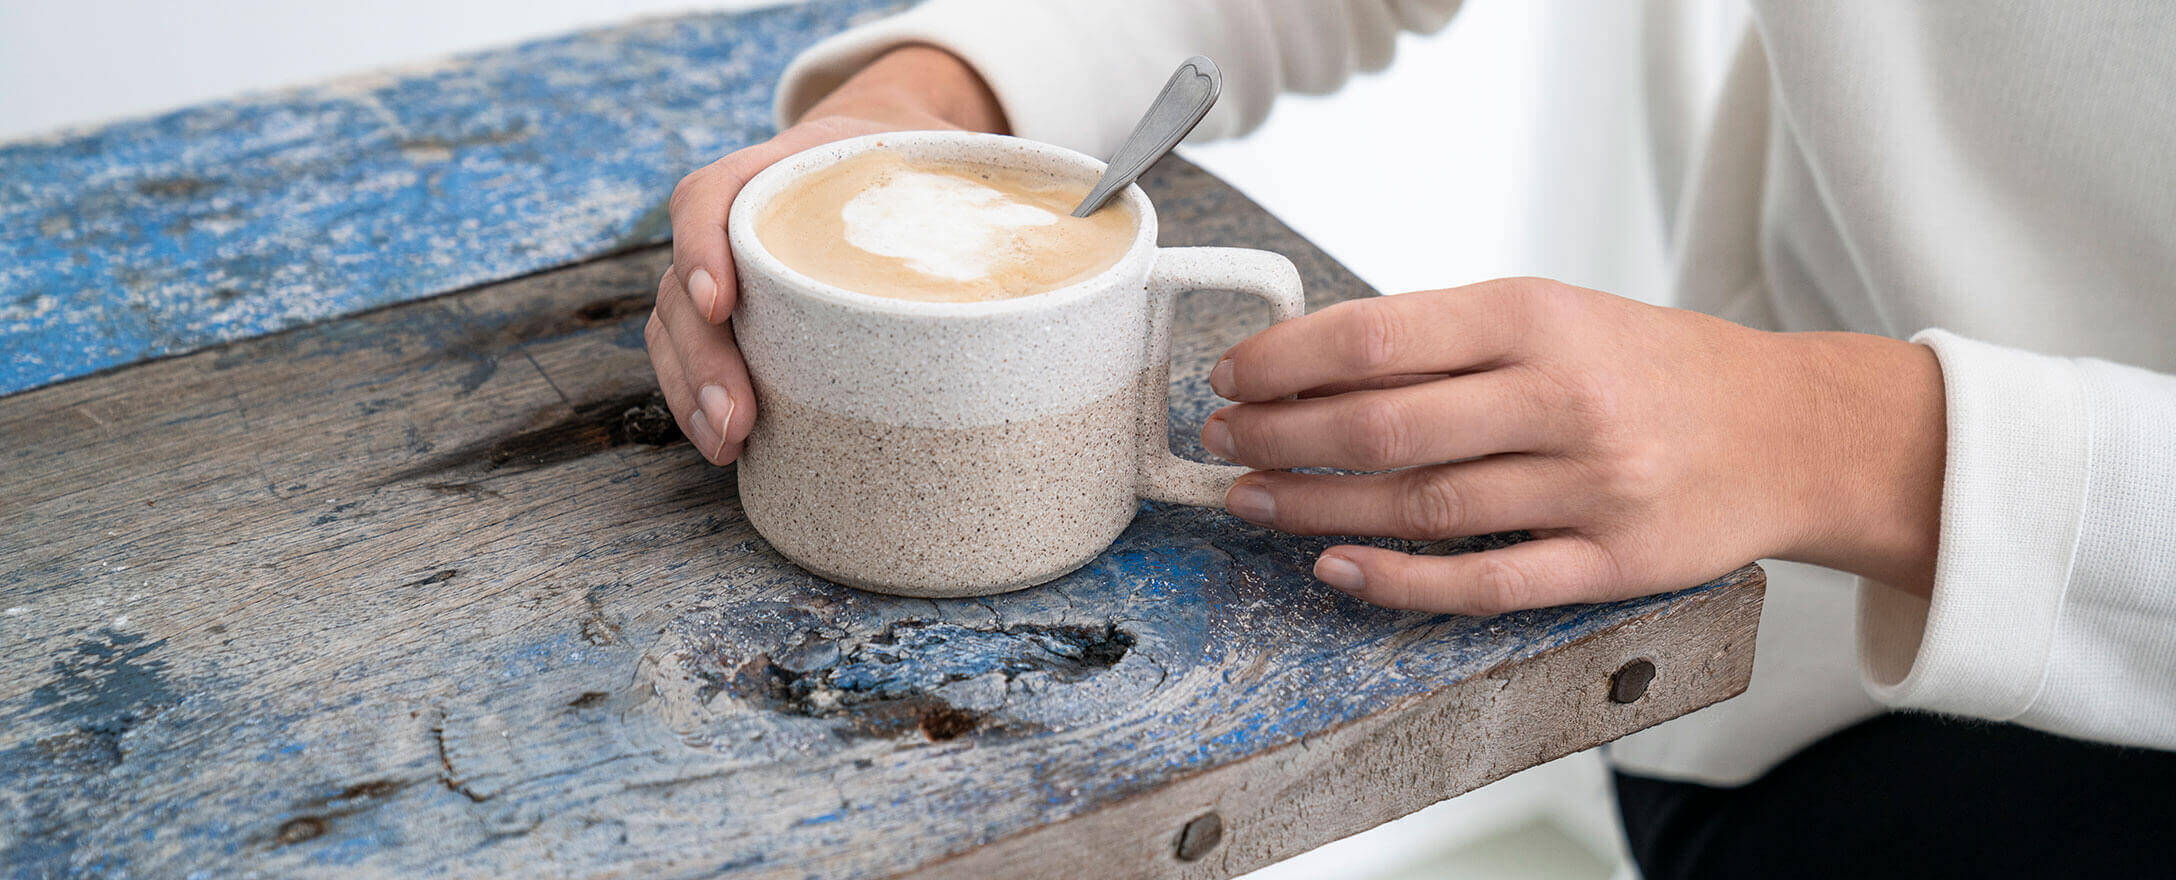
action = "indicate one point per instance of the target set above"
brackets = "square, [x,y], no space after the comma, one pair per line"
[968,448]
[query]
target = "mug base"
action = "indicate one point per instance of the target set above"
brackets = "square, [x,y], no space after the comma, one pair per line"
[949,588]
[933,511]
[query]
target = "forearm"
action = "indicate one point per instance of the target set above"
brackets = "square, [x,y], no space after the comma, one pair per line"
[913,83]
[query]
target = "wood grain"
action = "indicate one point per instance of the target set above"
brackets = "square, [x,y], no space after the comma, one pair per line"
[436,591]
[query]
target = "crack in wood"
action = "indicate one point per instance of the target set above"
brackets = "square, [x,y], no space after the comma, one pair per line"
[447,776]
[943,680]
[819,677]
[438,577]
[598,628]
[613,310]
[298,830]
[319,813]
[593,427]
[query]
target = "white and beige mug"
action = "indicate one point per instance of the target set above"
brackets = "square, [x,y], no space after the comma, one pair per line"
[968,448]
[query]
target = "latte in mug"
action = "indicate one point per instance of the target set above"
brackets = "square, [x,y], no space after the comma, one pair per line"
[941,231]
[964,390]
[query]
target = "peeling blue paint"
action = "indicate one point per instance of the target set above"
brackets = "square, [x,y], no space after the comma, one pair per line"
[160,236]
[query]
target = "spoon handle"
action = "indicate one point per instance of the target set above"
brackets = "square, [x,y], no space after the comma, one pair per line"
[1184,101]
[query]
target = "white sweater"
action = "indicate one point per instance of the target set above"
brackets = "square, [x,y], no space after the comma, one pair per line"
[2003,170]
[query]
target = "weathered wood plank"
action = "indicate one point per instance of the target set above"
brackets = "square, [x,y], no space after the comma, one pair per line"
[435,591]
[234,219]
[1345,780]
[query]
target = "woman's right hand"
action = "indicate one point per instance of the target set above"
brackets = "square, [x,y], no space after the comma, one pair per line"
[690,335]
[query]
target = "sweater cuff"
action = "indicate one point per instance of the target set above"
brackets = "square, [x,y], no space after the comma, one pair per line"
[2013,491]
[1008,42]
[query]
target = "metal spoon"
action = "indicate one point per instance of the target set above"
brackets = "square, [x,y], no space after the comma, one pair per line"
[1184,101]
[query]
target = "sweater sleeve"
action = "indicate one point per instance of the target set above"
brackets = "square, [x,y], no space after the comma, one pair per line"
[2054,600]
[1079,74]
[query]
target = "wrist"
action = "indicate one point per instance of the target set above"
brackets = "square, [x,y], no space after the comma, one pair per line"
[916,86]
[1871,412]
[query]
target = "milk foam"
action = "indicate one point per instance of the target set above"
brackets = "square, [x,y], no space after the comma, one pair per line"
[941,225]
[881,224]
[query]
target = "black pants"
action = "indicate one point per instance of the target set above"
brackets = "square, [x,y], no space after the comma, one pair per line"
[1920,797]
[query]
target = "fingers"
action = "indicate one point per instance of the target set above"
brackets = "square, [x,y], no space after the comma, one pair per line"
[1374,382]
[672,382]
[1440,331]
[1497,494]
[702,264]
[702,261]
[701,371]
[1549,571]
[1446,420]
[698,365]
[713,367]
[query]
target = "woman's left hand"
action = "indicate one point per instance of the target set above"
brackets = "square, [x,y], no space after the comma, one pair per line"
[1646,448]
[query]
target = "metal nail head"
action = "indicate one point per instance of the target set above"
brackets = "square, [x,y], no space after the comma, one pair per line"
[1630,681]
[1200,836]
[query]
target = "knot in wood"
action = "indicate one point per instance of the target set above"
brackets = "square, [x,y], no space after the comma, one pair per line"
[1630,681]
[1200,836]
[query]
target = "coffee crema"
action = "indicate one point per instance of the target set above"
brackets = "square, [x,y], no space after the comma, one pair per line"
[885,225]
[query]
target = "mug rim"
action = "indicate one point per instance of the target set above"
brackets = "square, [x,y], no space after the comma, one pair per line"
[747,247]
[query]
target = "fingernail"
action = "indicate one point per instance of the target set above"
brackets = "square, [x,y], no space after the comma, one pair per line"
[713,399]
[1339,572]
[1251,503]
[1220,379]
[703,435]
[1217,438]
[704,290]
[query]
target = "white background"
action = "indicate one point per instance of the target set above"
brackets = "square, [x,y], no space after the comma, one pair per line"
[1509,144]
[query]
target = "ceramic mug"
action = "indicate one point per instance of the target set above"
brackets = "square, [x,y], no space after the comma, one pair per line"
[968,448]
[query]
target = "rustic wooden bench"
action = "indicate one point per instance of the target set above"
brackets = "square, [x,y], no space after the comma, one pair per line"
[436,589]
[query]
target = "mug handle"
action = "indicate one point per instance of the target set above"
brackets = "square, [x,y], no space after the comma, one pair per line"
[1164,476]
